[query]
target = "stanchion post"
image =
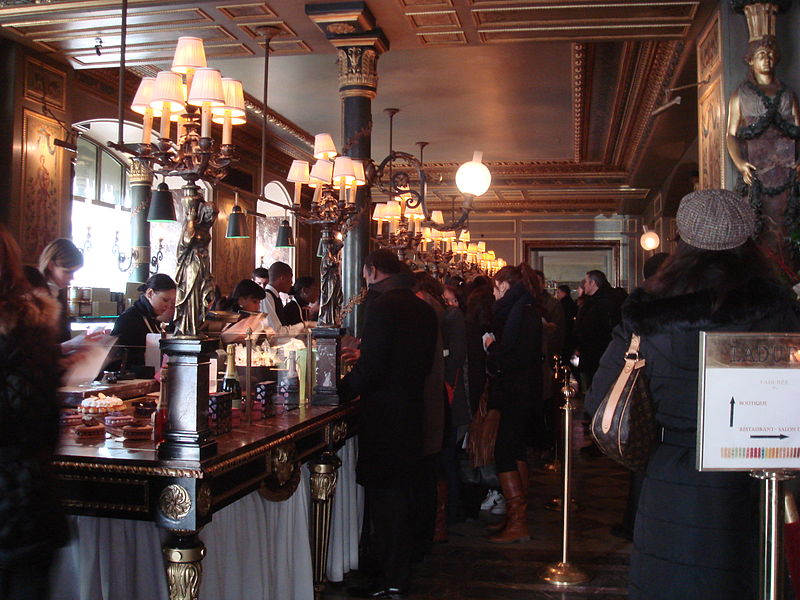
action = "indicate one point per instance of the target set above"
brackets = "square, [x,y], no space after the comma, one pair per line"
[248,374]
[771,534]
[562,572]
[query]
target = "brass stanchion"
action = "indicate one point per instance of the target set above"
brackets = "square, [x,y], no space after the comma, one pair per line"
[562,572]
[248,406]
[555,464]
[771,534]
[554,504]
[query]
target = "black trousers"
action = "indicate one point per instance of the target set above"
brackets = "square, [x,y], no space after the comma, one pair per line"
[392,532]
[510,444]
[26,581]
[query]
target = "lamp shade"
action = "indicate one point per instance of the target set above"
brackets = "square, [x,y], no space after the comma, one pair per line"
[321,172]
[649,240]
[379,212]
[437,217]
[473,177]
[324,147]
[415,213]
[285,237]
[464,237]
[343,171]
[206,87]
[298,172]
[143,97]
[358,169]
[392,211]
[237,224]
[481,246]
[234,103]
[189,54]
[162,207]
[167,92]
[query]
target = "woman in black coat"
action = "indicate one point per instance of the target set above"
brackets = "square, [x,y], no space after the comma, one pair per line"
[514,362]
[695,533]
[32,524]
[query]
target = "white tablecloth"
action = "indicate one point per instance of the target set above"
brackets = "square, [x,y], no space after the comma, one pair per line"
[256,549]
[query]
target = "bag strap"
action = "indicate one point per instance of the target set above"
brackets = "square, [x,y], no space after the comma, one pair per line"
[632,362]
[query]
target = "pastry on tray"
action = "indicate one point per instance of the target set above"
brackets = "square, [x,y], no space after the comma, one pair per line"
[90,428]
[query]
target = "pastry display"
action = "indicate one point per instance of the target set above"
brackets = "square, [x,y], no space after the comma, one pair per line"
[90,428]
[101,405]
[70,418]
[118,420]
[139,430]
[142,409]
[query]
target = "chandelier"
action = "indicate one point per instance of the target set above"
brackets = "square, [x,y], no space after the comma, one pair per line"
[191,96]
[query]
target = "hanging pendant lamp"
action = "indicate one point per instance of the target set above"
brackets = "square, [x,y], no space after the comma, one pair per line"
[237,223]
[162,207]
[285,237]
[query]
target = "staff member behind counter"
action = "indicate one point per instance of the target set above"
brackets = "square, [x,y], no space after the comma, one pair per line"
[155,306]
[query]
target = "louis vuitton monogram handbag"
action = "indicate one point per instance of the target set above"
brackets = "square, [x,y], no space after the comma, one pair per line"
[624,426]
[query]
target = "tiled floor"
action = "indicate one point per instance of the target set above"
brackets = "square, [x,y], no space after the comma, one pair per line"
[469,567]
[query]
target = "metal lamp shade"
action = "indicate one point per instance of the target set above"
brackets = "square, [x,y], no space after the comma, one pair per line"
[237,224]
[162,207]
[285,236]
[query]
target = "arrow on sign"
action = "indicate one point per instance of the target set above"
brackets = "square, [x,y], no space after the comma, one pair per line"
[733,403]
[779,437]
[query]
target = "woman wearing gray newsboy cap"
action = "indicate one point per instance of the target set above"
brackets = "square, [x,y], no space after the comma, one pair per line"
[695,536]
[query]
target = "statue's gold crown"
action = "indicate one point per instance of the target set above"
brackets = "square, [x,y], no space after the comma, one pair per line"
[760,20]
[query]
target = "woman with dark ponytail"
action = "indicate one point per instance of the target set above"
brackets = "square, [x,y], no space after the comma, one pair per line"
[514,355]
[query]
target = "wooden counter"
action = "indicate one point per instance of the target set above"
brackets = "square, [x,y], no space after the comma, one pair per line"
[125,478]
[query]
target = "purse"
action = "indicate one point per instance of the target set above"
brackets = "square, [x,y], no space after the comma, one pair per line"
[624,426]
[482,435]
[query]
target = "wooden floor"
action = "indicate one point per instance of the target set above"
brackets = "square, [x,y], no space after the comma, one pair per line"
[469,567]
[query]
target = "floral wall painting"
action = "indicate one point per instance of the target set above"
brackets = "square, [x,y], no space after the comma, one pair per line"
[41,177]
[711,116]
[44,84]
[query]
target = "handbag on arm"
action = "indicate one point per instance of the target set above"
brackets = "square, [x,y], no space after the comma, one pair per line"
[624,426]
[482,434]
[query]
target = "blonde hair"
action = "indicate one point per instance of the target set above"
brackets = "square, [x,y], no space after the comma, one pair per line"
[62,253]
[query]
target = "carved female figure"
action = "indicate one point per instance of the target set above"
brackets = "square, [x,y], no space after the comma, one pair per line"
[762,130]
[193,275]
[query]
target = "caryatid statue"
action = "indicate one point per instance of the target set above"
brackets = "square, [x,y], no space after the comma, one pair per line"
[762,133]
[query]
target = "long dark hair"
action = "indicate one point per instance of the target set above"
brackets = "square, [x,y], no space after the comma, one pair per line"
[691,269]
[12,278]
[522,272]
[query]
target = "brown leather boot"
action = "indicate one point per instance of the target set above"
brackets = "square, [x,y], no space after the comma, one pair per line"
[522,467]
[516,529]
[440,531]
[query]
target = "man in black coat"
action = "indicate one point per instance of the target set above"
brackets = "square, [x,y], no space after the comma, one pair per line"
[599,314]
[395,356]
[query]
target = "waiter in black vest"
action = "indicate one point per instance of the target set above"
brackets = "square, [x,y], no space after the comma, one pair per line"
[280,281]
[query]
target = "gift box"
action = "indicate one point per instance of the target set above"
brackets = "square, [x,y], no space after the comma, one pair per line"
[263,404]
[219,412]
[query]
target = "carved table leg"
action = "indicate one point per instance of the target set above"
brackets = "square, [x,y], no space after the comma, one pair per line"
[184,555]
[323,485]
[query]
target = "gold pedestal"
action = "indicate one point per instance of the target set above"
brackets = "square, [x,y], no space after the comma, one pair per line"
[184,557]
[323,485]
[561,573]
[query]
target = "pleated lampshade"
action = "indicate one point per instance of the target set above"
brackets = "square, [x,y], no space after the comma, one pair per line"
[324,146]
[206,87]
[189,54]
[167,91]
[234,102]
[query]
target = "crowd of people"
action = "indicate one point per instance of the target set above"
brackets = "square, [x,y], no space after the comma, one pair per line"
[432,358]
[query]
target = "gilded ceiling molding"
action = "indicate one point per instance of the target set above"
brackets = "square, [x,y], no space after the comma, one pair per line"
[579,73]
[654,63]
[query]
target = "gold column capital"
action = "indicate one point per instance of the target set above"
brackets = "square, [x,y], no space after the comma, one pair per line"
[140,173]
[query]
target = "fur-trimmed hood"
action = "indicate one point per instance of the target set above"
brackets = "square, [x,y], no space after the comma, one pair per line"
[753,301]
[35,309]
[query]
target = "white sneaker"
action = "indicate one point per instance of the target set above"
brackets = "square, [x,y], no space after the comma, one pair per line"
[491,500]
[499,507]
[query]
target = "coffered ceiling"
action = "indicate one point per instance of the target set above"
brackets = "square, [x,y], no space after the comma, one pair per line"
[558,94]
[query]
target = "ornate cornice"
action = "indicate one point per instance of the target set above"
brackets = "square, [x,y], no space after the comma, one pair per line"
[160,471]
[579,83]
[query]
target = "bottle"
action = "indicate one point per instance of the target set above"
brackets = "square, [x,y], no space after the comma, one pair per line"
[292,380]
[230,383]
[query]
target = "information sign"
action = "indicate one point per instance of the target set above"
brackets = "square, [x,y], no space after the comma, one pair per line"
[749,402]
